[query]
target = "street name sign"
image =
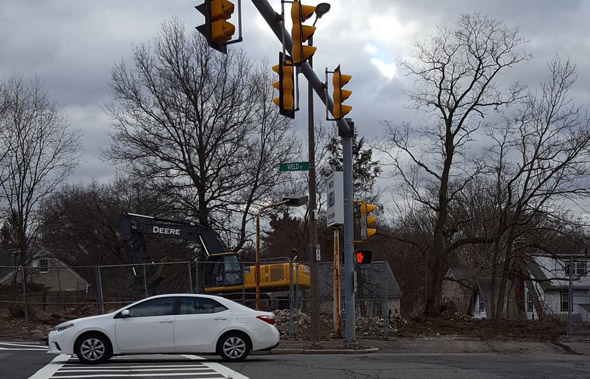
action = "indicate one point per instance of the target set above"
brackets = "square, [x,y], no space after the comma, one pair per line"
[294,166]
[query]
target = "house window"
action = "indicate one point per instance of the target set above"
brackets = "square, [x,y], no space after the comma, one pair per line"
[43,265]
[565,300]
[578,268]
[480,304]
[529,302]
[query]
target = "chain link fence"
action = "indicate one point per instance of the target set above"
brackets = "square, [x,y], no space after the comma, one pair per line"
[52,293]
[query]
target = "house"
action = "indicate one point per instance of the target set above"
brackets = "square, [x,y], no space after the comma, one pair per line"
[458,290]
[469,293]
[548,290]
[42,268]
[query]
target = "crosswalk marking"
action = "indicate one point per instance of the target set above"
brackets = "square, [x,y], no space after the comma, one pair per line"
[19,346]
[189,366]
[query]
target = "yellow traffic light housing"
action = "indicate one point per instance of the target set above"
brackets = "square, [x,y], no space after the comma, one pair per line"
[367,221]
[301,33]
[339,80]
[285,101]
[217,29]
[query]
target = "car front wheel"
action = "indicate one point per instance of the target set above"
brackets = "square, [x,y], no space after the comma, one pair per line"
[93,349]
[234,347]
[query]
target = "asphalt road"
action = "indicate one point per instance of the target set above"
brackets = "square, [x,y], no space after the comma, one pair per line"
[419,366]
[19,361]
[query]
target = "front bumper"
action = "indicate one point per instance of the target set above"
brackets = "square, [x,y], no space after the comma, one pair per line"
[59,342]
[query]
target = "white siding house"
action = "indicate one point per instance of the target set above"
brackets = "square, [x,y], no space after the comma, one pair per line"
[548,292]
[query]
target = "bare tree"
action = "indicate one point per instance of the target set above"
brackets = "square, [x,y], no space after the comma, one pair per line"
[40,150]
[201,126]
[540,160]
[456,82]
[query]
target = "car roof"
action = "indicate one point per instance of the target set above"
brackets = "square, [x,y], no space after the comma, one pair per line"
[220,299]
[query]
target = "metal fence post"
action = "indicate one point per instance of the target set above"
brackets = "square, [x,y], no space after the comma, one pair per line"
[99,297]
[197,276]
[190,278]
[290,298]
[25,307]
[145,281]
[570,304]
[385,301]
[61,295]
[242,264]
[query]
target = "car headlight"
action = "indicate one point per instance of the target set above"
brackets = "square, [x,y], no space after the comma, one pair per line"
[62,327]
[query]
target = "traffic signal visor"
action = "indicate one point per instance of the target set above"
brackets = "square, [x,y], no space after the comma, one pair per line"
[221,30]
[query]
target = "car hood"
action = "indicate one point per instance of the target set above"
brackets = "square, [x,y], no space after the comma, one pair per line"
[83,320]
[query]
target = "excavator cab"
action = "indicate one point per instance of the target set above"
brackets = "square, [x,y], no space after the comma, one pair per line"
[224,272]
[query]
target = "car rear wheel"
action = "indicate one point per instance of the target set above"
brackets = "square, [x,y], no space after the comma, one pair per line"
[234,347]
[93,348]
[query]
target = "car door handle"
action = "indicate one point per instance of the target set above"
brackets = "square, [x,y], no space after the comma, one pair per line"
[166,321]
[219,318]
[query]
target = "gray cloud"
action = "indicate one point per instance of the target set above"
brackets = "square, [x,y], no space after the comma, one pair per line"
[72,45]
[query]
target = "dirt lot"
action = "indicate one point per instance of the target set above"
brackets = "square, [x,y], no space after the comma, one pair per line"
[14,328]
[549,330]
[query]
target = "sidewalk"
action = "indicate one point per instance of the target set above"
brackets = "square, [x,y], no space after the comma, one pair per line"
[426,345]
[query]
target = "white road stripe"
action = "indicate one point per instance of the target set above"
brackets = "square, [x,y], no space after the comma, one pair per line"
[30,345]
[142,367]
[225,371]
[181,374]
[48,370]
[19,349]
[125,369]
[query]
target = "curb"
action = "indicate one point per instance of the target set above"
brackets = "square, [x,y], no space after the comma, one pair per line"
[318,351]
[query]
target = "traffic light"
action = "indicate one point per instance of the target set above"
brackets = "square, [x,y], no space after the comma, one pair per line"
[285,101]
[301,33]
[339,80]
[363,256]
[367,221]
[217,29]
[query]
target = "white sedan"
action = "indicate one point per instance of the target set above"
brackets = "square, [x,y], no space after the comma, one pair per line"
[173,323]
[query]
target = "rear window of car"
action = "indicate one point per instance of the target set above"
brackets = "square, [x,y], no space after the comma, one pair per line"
[199,305]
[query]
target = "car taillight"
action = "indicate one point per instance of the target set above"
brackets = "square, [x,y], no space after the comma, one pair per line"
[268,319]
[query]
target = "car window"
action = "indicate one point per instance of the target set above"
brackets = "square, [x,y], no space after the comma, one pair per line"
[199,305]
[156,307]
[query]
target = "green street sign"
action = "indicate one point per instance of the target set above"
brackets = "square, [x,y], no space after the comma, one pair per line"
[294,166]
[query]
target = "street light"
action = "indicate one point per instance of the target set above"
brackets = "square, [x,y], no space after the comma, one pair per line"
[320,10]
[290,201]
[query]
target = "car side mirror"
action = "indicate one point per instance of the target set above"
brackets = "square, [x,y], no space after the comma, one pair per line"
[125,313]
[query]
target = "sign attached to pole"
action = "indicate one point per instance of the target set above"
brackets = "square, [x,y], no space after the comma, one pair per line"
[335,196]
[318,252]
[294,166]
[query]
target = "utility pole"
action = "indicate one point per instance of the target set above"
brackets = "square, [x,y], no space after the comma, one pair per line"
[313,230]
[346,133]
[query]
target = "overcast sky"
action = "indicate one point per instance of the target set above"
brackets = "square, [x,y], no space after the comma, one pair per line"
[73,44]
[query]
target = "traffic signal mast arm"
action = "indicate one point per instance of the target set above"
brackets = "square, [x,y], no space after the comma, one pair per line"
[274,21]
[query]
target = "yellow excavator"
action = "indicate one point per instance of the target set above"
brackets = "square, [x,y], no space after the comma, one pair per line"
[222,272]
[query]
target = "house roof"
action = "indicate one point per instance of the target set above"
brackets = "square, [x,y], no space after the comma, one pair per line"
[538,274]
[9,260]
